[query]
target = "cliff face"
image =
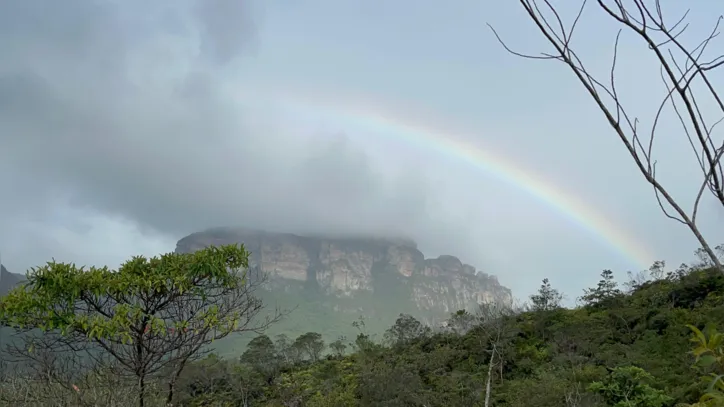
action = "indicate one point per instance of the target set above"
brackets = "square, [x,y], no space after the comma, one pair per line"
[349,267]
[8,280]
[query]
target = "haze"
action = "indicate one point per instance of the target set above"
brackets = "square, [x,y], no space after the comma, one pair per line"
[125,125]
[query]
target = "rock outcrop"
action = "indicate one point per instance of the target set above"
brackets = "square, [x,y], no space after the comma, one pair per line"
[8,280]
[348,267]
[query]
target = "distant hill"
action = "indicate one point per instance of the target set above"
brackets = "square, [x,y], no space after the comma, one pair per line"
[8,280]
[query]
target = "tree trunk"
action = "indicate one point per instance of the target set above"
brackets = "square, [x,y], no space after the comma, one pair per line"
[172,383]
[488,385]
[141,391]
[140,368]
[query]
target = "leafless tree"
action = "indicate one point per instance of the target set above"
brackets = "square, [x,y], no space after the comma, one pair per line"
[682,69]
[52,370]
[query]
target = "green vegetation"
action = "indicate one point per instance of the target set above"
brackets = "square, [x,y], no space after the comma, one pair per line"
[330,316]
[145,322]
[651,342]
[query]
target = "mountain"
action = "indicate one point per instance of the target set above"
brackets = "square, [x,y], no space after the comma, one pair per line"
[333,280]
[328,282]
[8,280]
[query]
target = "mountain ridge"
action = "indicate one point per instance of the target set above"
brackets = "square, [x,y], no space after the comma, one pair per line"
[352,266]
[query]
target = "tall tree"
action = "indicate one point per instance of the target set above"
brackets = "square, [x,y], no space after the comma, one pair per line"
[547,298]
[405,329]
[461,321]
[310,344]
[339,346]
[606,290]
[262,355]
[494,333]
[685,72]
[151,317]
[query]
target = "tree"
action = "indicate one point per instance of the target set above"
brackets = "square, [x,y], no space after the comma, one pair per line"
[363,343]
[339,346]
[494,333]
[704,261]
[285,349]
[548,298]
[606,290]
[262,356]
[686,76]
[461,322]
[656,272]
[629,386]
[310,344]
[151,317]
[405,329]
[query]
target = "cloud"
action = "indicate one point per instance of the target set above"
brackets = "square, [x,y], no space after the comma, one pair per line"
[109,112]
[125,125]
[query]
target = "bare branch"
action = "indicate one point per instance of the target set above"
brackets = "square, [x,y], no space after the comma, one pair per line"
[645,18]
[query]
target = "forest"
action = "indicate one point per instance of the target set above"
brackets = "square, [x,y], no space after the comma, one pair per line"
[144,336]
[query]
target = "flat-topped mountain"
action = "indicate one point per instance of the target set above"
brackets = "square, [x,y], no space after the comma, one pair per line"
[368,267]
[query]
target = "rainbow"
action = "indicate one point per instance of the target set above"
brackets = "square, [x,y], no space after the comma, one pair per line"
[485,160]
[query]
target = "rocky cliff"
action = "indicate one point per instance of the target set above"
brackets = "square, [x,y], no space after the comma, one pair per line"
[8,280]
[351,267]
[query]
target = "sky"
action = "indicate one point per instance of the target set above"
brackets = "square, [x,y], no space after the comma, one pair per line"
[126,125]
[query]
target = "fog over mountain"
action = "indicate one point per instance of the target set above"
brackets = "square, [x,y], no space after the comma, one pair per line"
[126,125]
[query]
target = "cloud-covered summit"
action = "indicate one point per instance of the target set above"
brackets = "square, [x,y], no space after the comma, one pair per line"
[125,125]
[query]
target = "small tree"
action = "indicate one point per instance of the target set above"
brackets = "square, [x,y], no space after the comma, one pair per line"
[606,290]
[152,316]
[656,272]
[547,298]
[363,343]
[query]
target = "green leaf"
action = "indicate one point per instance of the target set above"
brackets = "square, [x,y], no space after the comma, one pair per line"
[706,360]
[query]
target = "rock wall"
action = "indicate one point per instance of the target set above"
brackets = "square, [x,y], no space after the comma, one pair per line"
[346,267]
[8,280]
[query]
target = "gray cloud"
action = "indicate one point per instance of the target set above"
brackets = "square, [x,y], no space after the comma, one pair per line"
[125,125]
[90,121]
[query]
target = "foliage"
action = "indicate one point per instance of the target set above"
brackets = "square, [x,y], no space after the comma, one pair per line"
[148,319]
[547,298]
[709,355]
[618,349]
[310,345]
[629,386]
[405,329]
[606,291]
[628,349]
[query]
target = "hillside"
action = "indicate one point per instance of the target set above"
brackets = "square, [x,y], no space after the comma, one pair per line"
[653,341]
[620,350]
[331,281]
